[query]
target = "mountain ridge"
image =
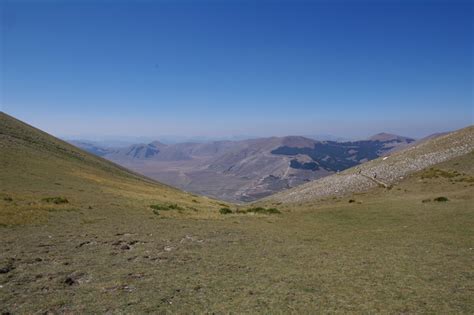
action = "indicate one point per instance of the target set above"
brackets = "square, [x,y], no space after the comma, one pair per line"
[387,170]
[245,170]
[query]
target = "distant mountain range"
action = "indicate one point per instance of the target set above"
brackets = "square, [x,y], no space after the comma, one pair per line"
[246,170]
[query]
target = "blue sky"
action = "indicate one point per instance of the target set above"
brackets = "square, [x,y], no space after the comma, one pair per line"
[221,68]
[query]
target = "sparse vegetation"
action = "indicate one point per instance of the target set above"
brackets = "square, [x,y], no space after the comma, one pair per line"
[433,172]
[55,200]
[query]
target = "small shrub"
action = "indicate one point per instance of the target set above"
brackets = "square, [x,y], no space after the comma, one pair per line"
[273,210]
[426,200]
[351,201]
[8,198]
[255,210]
[225,211]
[469,179]
[156,212]
[56,200]
[165,207]
[441,199]
[263,210]
[157,207]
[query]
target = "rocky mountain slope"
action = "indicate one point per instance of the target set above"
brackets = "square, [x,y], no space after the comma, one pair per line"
[386,170]
[250,169]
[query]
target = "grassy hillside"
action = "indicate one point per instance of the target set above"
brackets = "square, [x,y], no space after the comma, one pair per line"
[381,251]
[36,166]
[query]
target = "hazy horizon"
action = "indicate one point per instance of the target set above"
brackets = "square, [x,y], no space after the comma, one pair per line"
[170,138]
[342,130]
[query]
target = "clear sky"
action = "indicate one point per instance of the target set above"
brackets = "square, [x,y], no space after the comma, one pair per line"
[216,68]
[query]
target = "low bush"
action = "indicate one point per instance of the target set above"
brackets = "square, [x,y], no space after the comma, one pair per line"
[351,201]
[263,210]
[255,210]
[426,200]
[441,199]
[56,200]
[225,211]
[165,207]
[8,198]
[467,179]
[273,210]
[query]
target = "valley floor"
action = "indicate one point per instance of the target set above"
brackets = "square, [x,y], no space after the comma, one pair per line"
[385,252]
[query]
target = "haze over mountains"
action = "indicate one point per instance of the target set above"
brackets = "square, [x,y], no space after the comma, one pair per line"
[247,170]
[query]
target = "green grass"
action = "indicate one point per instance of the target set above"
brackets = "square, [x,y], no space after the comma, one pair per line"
[390,254]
